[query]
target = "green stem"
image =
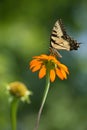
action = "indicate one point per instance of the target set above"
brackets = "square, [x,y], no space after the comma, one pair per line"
[14,105]
[43,100]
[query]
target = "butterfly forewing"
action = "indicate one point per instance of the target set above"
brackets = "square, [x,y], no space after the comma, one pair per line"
[60,40]
[57,40]
[57,31]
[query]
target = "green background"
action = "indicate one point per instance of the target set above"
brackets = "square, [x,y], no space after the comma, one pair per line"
[25,28]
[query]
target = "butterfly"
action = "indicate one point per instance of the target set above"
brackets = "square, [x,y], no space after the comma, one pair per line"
[60,40]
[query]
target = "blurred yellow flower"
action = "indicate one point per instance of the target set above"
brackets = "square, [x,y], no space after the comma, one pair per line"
[19,90]
[45,63]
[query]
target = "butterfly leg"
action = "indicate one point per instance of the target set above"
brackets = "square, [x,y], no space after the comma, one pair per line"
[54,52]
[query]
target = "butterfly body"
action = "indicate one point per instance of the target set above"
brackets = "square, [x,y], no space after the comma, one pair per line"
[60,40]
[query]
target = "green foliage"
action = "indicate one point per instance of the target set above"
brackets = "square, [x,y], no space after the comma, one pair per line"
[25,28]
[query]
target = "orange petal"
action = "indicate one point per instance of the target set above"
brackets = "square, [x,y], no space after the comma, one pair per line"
[43,56]
[35,63]
[64,73]
[36,57]
[42,72]
[52,75]
[59,74]
[64,68]
[37,67]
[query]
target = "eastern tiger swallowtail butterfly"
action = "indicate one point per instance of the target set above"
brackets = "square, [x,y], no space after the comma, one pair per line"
[60,40]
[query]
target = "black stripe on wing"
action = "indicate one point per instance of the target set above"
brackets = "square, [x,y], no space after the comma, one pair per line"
[62,28]
[53,35]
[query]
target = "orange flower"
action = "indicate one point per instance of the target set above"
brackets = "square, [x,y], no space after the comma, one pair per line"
[49,63]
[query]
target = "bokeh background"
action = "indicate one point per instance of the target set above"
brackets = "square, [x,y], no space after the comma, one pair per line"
[25,28]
